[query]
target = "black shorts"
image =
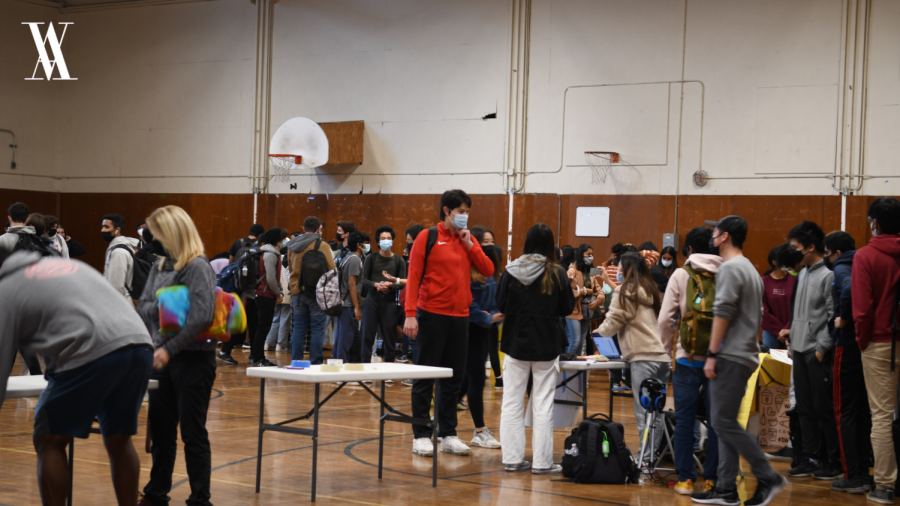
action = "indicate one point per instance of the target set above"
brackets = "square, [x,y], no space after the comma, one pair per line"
[110,388]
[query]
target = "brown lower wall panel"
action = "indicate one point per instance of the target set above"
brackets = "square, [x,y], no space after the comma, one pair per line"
[222,218]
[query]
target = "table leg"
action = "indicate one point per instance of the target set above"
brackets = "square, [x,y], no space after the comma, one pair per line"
[434,428]
[315,439]
[610,395]
[262,405]
[584,375]
[71,469]
[381,433]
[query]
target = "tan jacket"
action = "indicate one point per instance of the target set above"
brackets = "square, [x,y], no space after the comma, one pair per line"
[577,284]
[295,258]
[638,328]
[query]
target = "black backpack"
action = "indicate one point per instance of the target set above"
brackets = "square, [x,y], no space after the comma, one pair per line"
[246,276]
[596,453]
[313,265]
[31,242]
[432,239]
[140,271]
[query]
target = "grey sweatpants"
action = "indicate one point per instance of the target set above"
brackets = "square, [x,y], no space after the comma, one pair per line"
[640,371]
[726,393]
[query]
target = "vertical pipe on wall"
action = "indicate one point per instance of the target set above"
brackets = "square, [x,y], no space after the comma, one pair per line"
[843,212]
[680,115]
[509,236]
[518,102]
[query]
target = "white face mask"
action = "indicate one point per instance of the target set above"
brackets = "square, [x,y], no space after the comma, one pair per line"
[667,263]
[588,260]
[365,248]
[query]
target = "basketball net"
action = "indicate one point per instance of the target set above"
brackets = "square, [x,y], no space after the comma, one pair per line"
[282,165]
[600,162]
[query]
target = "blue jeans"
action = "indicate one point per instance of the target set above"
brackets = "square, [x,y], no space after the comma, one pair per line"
[687,382]
[771,340]
[413,349]
[573,334]
[307,313]
[343,335]
[281,326]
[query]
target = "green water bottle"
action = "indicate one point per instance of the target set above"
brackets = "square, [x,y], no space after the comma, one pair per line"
[605,446]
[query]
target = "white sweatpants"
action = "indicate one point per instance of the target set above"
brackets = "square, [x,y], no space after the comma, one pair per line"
[512,415]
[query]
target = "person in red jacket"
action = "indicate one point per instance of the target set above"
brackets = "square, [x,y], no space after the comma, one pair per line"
[874,279]
[437,316]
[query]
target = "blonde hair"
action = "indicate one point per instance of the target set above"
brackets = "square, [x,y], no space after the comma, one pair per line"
[175,229]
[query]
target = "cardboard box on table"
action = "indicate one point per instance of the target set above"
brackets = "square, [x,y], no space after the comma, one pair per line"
[772,399]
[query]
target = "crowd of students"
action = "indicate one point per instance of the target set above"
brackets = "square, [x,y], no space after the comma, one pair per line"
[443,300]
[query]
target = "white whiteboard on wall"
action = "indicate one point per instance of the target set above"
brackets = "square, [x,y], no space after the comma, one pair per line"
[592,222]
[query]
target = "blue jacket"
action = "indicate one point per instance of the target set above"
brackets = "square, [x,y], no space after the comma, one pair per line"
[484,299]
[843,303]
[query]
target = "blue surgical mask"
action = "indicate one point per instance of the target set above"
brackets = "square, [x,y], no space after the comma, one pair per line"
[285,242]
[386,244]
[666,263]
[460,221]
[365,248]
[620,278]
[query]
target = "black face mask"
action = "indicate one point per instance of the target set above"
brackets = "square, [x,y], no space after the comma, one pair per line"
[157,248]
[406,258]
[339,237]
[796,257]
[713,249]
[51,232]
[828,264]
[107,236]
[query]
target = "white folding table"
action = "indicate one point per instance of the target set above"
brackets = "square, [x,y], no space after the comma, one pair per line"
[583,369]
[371,372]
[18,387]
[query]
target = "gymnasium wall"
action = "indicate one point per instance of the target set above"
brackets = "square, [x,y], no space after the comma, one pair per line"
[221,218]
[164,100]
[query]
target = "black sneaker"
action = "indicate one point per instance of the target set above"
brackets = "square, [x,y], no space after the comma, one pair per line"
[498,383]
[766,491]
[717,496]
[785,454]
[224,357]
[264,363]
[804,470]
[881,495]
[851,485]
[829,473]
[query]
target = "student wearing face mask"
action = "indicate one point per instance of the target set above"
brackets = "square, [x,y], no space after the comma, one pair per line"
[438,296]
[485,238]
[584,261]
[812,348]
[268,293]
[118,267]
[379,309]
[51,232]
[778,287]
[874,280]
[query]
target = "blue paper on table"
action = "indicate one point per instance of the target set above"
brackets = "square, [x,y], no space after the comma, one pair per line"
[607,347]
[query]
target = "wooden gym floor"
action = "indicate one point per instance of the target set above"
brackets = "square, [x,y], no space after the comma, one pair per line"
[348,456]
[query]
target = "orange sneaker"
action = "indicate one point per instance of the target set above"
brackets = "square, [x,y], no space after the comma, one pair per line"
[684,487]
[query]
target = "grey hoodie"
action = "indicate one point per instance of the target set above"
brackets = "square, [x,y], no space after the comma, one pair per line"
[62,310]
[298,244]
[8,240]
[119,265]
[527,268]
[813,310]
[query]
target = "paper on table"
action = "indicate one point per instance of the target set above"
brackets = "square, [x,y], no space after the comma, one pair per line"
[781,356]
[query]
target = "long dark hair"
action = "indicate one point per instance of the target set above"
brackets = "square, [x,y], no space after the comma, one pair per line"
[494,253]
[539,241]
[479,231]
[670,269]
[773,264]
[568,256]
[637,276]
[579,257]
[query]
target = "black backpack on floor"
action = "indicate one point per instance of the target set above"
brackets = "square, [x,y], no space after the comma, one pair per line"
[596,453]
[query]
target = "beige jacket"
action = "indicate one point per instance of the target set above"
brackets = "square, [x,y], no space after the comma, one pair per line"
[674,303]
[577,284]
[638,328]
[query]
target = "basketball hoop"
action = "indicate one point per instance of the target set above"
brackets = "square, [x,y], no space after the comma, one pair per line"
[600,162]
[282,165]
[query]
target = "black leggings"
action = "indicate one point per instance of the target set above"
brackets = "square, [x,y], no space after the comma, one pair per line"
[265,313]
[493,347]
[237,340]
[478,338]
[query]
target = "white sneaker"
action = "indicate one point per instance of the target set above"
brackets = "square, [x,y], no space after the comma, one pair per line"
[485,439]
[280,349]
[454,445]
[423,446]
[389,382]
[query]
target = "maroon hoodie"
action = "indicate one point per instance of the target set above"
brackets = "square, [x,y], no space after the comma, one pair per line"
[876,273]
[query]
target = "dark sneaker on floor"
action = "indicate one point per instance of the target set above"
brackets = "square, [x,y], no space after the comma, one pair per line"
[224,357]
[403,360]
[264,363]
[785,454]
[881,495]
[246,345]
[766,491]
[717,496]
[828,473]
[804,470]
[851,485]
[498,383]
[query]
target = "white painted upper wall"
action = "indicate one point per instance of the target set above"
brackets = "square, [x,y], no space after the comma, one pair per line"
[168,91]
